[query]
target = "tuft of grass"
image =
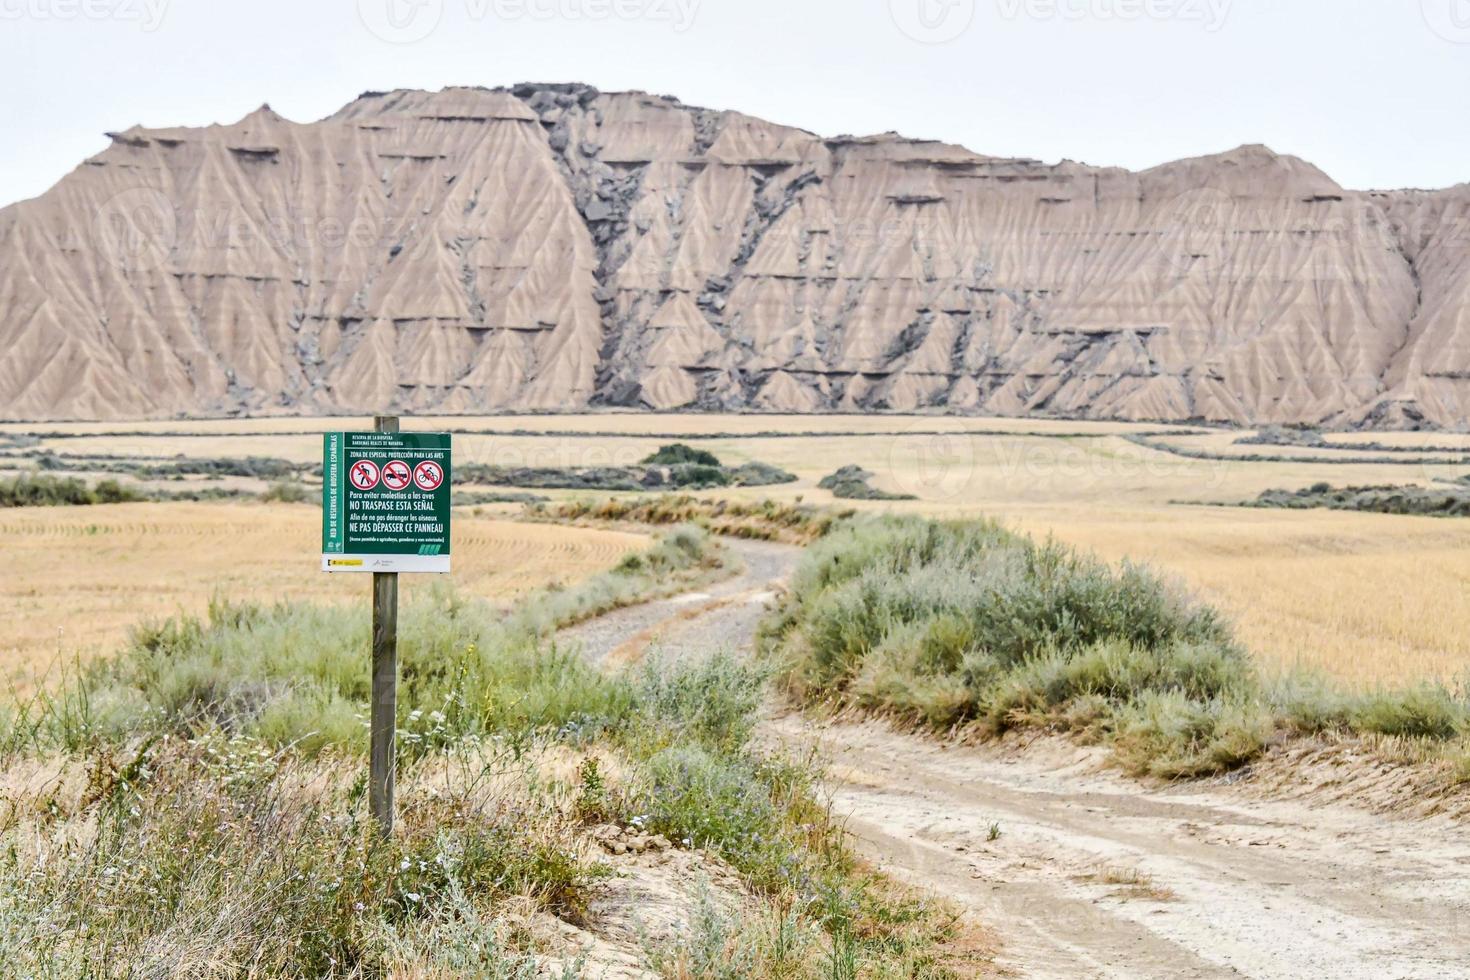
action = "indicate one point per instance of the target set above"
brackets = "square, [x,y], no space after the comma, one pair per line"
[1131,883]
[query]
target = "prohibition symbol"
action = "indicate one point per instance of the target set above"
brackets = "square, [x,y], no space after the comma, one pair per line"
[428,475]
[364,475]
[396,475]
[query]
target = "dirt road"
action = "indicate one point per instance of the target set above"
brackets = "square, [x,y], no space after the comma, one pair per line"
[1084,873]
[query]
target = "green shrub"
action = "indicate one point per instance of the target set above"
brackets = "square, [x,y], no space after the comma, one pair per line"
[676,454]
[942,623]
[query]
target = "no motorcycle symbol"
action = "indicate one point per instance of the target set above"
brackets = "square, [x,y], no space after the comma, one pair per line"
[428,476]
[396,475]
[364,474]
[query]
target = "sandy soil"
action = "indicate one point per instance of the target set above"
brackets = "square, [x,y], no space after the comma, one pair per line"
[1095,875]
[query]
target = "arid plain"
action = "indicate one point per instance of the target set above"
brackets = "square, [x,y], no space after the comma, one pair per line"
[1368,598]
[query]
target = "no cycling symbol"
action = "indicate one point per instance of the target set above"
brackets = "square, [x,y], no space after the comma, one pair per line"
[428,475]
[396,475]
[364,475]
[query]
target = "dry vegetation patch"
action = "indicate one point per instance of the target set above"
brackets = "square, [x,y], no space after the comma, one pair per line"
[82,577]
[195,807]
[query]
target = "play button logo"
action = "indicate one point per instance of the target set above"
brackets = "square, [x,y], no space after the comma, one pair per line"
[400,21]
[932,21]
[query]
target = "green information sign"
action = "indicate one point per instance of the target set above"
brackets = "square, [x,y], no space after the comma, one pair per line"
[385,502]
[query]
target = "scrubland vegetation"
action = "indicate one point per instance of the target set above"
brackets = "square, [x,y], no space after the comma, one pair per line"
[672,467]
[46,490]
[50,491]
[1449,501]
[766,520]
[196,805]
[965,624]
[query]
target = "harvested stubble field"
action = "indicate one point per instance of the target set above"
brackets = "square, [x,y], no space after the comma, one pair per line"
[81,577]
[1368,598]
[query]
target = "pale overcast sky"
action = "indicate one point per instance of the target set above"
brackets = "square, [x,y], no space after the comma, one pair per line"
[1373,91]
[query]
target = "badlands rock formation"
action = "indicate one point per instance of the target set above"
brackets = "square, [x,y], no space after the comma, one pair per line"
[554,247]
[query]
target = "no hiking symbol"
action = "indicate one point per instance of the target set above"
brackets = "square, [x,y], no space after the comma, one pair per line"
[386,502]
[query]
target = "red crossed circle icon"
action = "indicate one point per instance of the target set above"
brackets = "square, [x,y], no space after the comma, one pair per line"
[364,474]
[396,475]
[428,475]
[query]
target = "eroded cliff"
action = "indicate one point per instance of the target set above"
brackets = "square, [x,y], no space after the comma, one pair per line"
[554,247]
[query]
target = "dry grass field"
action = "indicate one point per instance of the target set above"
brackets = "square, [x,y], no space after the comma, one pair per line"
[79,577]
[1369,598]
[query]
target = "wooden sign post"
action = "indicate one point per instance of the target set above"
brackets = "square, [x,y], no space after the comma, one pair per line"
[385,510]
[383,723]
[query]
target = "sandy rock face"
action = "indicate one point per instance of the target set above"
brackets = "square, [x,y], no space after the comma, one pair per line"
[554,247]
